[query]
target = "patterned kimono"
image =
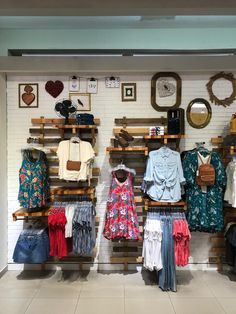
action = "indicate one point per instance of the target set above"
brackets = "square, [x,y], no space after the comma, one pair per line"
[205,210]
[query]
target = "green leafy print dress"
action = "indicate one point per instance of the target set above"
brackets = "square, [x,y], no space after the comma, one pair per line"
[205,210]
[33,179]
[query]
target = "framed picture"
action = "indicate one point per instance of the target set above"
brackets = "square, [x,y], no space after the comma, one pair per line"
[82,100]
[128,91]
[28,95]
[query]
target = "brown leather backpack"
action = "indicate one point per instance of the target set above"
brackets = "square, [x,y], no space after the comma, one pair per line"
[206,173]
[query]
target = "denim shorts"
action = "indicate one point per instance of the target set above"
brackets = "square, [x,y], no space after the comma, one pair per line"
[32,247]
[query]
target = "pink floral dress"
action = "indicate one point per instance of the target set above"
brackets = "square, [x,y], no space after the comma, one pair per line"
[121,217]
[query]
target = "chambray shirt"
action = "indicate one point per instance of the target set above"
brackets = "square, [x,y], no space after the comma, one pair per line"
[164,175]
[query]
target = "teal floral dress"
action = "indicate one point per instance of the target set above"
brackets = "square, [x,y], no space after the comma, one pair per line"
[205,210]
[33,179]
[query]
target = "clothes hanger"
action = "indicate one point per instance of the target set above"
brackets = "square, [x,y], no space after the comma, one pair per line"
[75,139]
[122,166]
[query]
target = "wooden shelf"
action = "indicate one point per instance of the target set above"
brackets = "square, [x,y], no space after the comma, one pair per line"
[44,213]
[148,203]
[166,136]
[75,126]
[73,191]
[22,213]
[54,171]
[54,121]
[128,149]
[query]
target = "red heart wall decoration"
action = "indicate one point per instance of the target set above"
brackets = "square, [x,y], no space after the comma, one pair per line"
[54,88]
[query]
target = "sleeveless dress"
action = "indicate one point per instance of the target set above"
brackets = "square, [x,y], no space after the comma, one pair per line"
[33,180]
[121,217]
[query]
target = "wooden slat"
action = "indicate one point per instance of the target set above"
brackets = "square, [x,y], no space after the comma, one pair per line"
[166,136]
[57,121]
[126,259]
[22,213]
[128,149]
[75,126]
[54,150]
[72,191]
[133,131]
[217,140]
[44,213]
[141,121]
[149,203]
[54,171]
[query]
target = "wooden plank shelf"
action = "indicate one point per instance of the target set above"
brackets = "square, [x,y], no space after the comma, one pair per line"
[128,149]
[141,121]
[55,121]
[22,213]
[126,259]
[75,126]
[149,203]
[54,171]
[43,213]
[73,191]
[166,136]
[133,131]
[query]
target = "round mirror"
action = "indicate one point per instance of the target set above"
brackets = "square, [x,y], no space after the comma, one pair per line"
[199,113]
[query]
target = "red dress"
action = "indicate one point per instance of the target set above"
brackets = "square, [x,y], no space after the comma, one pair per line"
[121,217]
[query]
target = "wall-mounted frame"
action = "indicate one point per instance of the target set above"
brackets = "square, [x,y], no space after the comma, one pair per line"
[178,90]
[28,95]
[199,113]
[213,98]
[128,92]
[82,100]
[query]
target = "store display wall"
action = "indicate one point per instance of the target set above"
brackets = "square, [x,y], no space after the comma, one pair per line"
[107,106]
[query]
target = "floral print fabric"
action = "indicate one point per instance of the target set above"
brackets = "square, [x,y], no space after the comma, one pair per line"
[205,210]
[121,217]
[33,179]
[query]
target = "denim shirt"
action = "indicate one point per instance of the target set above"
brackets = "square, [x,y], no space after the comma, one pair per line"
[164,174]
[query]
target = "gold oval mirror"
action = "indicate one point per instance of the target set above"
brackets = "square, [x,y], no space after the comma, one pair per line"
[199,113]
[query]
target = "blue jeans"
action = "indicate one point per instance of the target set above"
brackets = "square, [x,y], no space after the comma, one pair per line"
[167,275]
[32,247]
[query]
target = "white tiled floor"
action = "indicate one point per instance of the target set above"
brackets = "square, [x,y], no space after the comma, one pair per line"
[71,292]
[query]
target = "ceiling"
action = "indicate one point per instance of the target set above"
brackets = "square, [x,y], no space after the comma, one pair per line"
[115,22]
[116,7]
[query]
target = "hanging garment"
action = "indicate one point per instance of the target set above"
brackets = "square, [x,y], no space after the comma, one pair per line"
[205,210]
[56,226]
[182,237]
[84,236]
[69,212]
[164,175]
[152,244]
[230,193]
[167,275]
[81,151]
[34,181]
[121,218]
[230,242]
[32,247]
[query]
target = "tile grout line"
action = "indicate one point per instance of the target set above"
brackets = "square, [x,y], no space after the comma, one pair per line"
[171,302]
[32,299]
[78,299]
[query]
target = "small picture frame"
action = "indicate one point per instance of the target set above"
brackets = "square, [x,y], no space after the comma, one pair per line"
[128,91]
[82,100]
[28,95]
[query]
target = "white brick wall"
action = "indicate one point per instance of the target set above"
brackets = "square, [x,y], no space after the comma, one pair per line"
[106,105]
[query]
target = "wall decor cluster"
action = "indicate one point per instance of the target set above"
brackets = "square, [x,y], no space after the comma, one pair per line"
[54,88]
[162,86]
[213,98]
[74,83]
[83,100]
[128,91]
[28,95]
[199,113]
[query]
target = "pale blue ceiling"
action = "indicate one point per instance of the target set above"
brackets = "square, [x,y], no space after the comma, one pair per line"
[115,22]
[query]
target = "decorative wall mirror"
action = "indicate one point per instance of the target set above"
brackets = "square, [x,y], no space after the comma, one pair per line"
[165,91]
[199,113]
[216,81]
